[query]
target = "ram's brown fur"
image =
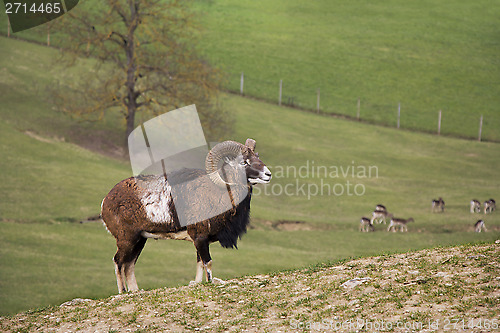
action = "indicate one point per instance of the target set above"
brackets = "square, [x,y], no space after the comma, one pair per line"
[126,218]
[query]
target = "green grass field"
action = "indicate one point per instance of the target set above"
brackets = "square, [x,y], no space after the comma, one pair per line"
[50,183]
[425,55]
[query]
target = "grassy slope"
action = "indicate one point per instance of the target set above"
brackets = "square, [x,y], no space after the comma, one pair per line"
[429,56]
[47,182]
[446,289]
[412,168]
[42,169]
[42,263]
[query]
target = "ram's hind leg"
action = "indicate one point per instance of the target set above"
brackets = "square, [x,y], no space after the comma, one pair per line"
[125,259]
[120,276]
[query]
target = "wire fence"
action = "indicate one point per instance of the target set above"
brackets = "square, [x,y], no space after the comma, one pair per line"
[444,121]
[469,125]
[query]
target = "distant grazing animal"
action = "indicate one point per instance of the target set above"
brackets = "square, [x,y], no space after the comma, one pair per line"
[475,206]
[380,216]
[380,207]
[480,225]
[490,206]
[143,207]
[395,222]
[438,205]
[366,225]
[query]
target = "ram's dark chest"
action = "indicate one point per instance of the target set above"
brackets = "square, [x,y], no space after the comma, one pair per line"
[235,225]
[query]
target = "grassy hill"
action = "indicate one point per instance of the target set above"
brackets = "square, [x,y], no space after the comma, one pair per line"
[48,182]
[40,158]
[447,289]
[51,182]
[425,55]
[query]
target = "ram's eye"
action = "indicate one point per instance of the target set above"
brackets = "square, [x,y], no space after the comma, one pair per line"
[245,162]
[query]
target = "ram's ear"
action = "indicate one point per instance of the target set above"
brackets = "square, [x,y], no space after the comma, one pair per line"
[250,143]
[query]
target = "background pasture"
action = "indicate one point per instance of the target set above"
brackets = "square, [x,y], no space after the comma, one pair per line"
[425,55]
[49,185]
[385,56]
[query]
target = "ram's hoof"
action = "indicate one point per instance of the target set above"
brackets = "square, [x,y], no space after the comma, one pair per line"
[193,283]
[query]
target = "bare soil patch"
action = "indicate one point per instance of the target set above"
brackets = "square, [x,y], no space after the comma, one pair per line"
[286,225]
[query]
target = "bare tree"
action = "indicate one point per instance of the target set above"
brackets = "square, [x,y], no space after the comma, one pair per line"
[146,60]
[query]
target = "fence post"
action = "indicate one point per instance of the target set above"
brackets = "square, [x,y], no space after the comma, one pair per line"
[88,42]
[281,89]
[359,106]
[480,127]
[242,80]
[439,123]
[8,27]
[317,101]
[399,112]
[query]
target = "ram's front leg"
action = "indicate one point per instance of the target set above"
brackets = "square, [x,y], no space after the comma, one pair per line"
[199,270]
[204,261]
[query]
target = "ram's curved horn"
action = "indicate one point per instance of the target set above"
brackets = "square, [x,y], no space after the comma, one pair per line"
[250,143]
[226,149]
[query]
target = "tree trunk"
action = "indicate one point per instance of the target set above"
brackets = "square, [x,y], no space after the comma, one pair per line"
[131,109]
[132,94]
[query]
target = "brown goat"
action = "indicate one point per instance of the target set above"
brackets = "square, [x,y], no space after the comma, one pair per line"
[144,207]
[380,216]
[366,225]
[479,225]
[438,205]
[475,206]
[489,206]
[402,223]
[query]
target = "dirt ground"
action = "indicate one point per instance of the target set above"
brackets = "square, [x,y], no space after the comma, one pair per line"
[452,289]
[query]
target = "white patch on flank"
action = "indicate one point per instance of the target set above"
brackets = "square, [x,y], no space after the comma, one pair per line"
[157,194]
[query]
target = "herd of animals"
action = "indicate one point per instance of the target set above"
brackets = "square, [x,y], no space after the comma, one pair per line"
[380,214]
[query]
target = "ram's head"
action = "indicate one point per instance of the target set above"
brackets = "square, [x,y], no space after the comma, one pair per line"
[232,163]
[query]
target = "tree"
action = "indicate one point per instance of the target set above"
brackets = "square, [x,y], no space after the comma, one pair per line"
[146,60]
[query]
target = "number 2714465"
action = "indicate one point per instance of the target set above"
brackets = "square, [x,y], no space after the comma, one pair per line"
[24,8]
